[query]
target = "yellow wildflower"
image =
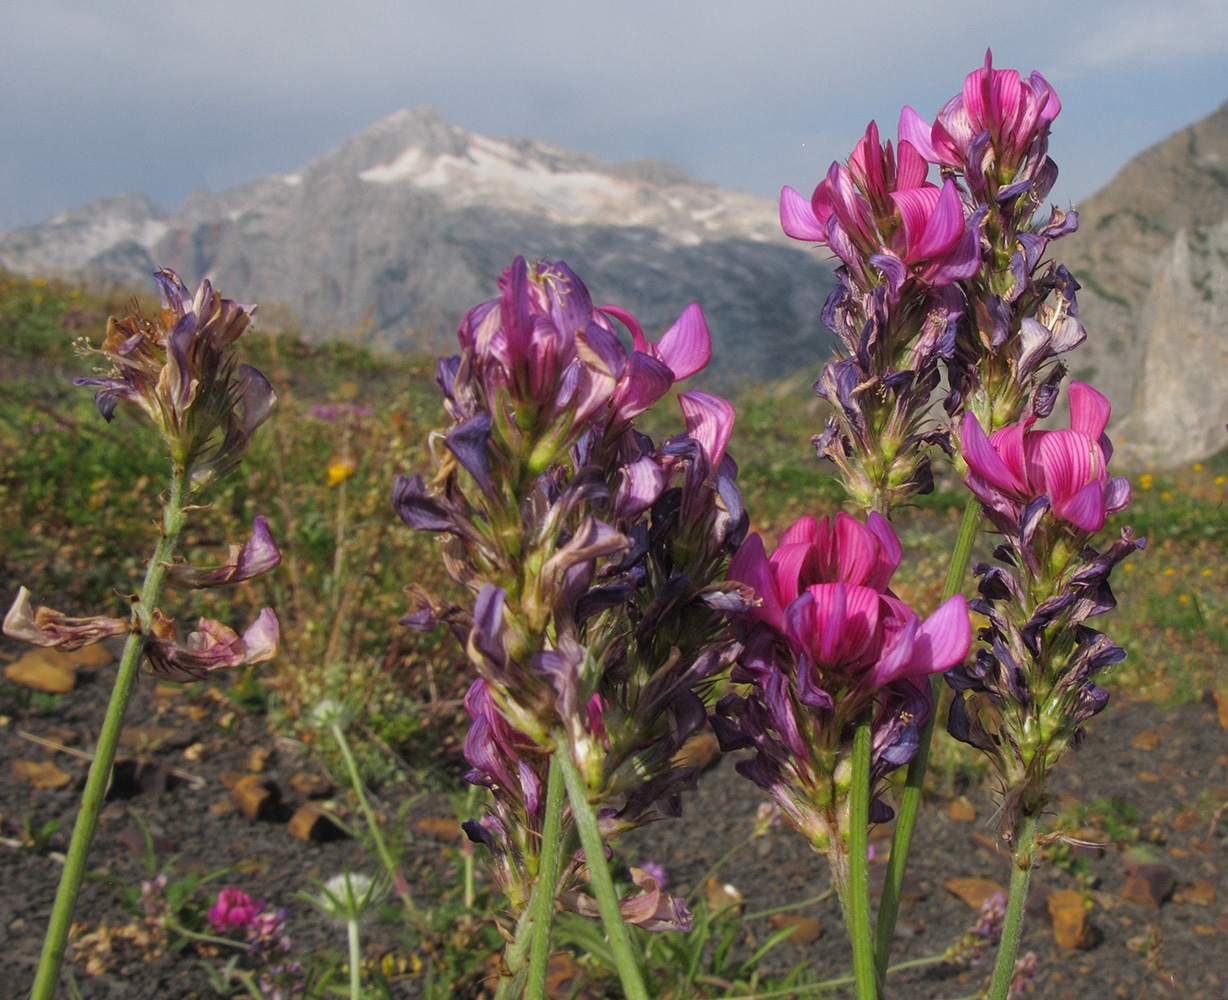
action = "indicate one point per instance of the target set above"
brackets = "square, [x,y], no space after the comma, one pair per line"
[339,470]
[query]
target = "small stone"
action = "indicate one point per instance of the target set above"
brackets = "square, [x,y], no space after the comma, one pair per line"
[699,751]
[1221,707]
[194,753]
[961,810]
[93,655]
[1205,930]
[221,807]
[257,798]
[312,824]
[1072,926]
[40,774]
[43,670]
[721,896]
[1149,886]
[230,778]
[1200,893]
[257,760]
[1148,776]
[1146,740]
[311,785]
[1187,819]
[441,827]
[973,891]
[806,930]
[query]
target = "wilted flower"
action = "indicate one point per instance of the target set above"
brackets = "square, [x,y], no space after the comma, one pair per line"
[258,555]
[180,369]
[43,626]
[213,646]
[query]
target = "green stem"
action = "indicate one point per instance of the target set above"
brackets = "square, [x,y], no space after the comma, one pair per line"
[541,903]
[1022,855]
[48,975]
[910,799]
[800,904]
[599,873]
[826,984]
[394,872]
[855,894]
[351,927]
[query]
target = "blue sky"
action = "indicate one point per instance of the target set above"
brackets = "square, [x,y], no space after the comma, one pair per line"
[170,97]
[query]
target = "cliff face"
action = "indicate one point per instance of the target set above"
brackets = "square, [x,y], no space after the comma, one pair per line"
[408,223]
[1151,256]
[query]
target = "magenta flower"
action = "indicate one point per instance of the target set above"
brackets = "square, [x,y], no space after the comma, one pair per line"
[999,123]
[1016,464]
[684,349]
[233,909]
[824,591]
[881,210]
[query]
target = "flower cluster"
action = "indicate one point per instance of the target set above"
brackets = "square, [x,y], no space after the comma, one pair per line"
[1027,693]
[596,558]
[826,641]
[945,272]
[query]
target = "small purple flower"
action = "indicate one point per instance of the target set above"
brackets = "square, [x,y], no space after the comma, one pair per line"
[257,556]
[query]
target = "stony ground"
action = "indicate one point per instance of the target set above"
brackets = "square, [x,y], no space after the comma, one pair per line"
[1150,783]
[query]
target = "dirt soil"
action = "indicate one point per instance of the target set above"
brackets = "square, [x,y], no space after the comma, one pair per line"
[1170,767]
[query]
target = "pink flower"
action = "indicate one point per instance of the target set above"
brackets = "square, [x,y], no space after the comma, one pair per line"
[1016,464]
[825,591]
[999,120]
[233,909]
[881,210]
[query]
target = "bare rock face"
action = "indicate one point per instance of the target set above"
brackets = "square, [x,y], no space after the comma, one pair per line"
[406,225]
[1149,258]
[1181,399]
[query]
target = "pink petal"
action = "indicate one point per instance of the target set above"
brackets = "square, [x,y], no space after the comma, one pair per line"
[804,530]
[686,346]
[846,618]
[943,639]
[890,551]
[944,228]
[789,563]
[1085,508]
[912,168]
[1089,410]
[645,381]
[638,343]
[749,565]
[709,420]
[797,217]
[858,550]
[916,131]
[984,460]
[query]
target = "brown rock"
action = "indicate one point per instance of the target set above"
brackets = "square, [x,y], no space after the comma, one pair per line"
[40,774]
[314,825]
[443,827]
[973,891]
[1146,740]
[1221,707]
[93,655]
[257,759]
[1200,893]
[230,778]
[257,798]
[1187,819]
[43,670]
[806,930]
[961,810]
[1072,927]
[311,785]
[721,896]
[1149,886]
